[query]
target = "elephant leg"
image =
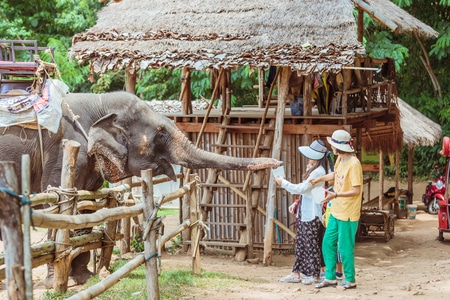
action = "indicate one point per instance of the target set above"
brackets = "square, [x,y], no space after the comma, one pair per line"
[49,279]
[79,271]
[79,268]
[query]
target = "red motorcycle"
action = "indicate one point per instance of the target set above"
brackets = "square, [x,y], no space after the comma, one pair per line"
[444,200]
[435,187]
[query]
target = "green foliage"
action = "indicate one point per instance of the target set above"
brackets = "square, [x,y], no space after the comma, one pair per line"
[175,245]
[380,45]
[243,81]
[200,85]
[441,48]
[51,23]
[109,81]
[137,244]
[163,84]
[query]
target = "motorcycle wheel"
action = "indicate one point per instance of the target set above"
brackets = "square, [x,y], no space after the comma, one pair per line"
[433,206]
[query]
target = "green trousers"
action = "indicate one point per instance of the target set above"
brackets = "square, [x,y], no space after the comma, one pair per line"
[339,235]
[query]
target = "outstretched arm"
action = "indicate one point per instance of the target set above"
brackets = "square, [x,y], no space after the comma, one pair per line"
[324,178]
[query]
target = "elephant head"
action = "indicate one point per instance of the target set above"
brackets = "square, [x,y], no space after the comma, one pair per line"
[136,138]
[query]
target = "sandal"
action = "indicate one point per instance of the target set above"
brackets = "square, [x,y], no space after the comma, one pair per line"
[310,280]
[291,279]
[325,283]
[345,285]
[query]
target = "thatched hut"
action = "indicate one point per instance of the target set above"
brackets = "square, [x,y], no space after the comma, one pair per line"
[305,40]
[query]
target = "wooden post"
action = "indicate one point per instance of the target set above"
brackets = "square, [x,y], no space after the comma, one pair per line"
[360,25]
[261,88]
[126,226]
[307,98]
[26,217]
[185,95]
[358,149]
[62,241]
[11,232]
[397,176]
[283,91]
[130,80]
[410,174]
[195,234]
[150,249]
[381,181]
[347,74]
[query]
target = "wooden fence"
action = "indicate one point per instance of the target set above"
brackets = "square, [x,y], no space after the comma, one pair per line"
[109,205]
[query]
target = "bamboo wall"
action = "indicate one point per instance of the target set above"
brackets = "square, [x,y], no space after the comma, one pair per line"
[225,222]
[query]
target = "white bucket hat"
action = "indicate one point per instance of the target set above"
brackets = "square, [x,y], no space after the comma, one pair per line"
[341,140]
[315,151]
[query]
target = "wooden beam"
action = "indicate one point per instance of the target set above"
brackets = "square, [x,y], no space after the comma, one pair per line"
[314,129]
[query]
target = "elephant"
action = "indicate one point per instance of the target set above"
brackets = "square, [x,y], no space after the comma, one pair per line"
[120,135]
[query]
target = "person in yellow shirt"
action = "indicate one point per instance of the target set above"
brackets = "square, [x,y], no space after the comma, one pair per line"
[345,210]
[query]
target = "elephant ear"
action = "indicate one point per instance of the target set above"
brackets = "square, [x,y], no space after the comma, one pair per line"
[108,142]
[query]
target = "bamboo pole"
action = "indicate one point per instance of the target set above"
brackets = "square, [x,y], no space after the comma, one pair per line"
[43,220]
[11,231]
[26,217]
[62,249]
[52,198]
[108,282]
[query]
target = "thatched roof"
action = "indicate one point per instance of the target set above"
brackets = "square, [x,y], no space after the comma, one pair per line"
[307,35]
[303,34]
[392,16]
[417,129]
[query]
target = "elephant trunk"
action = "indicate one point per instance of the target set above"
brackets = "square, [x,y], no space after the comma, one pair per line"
[186,154]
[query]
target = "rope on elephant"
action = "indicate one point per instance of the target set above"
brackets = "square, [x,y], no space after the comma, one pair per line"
[69,194]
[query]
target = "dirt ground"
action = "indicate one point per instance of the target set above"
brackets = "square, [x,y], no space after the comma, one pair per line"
[413,263]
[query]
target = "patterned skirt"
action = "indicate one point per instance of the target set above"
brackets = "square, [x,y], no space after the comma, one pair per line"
[308,248]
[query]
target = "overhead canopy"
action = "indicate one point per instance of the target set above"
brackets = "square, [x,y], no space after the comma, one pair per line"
[307,35]
[397,19]
[418,130]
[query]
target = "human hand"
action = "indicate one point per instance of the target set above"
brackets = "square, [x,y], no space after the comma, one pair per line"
[292,208]
[278,180]
[313,181]
[329,195]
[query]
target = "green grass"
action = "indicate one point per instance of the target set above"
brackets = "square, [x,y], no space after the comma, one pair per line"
[168,212]
[172,284]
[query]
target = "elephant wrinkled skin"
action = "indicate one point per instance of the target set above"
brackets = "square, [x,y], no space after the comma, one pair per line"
[124,136]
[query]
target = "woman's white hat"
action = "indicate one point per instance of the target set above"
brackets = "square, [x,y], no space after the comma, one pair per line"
[315,151]
[341,140]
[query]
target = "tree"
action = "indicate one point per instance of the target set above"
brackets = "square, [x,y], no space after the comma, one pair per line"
[413,82]
[51,23]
